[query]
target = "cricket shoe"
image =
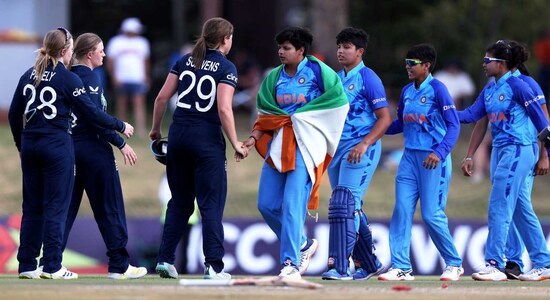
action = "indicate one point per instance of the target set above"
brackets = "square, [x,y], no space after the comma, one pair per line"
[451,273]
[537,274]
[362,274]
[512,270]
[397,275]
[63,273]
[333,274]
[306,254]
[131,273]
[489,273]
[34,274]
[290,272]
[166,270]
[210,273]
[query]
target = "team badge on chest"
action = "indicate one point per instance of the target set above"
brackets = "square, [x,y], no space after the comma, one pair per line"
[301,80]
[501,97]
[351,87]
[423,99]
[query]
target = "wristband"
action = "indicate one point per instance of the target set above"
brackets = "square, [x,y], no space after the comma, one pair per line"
[466,159]
[254,138]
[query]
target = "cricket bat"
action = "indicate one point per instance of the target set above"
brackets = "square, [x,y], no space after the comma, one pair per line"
[264,281]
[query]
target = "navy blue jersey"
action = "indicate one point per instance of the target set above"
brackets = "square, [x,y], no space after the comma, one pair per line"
[197,89]
[83,128]
[47,108]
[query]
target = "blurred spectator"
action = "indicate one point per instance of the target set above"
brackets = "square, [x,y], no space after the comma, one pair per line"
[250,79]
[128,65]
[459,83]
[542,54]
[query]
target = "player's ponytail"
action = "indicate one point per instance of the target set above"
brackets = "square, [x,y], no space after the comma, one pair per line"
[214,31]
[54,41]
[520,54]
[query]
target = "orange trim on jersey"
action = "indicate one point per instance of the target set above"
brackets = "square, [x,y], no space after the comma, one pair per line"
[267,124]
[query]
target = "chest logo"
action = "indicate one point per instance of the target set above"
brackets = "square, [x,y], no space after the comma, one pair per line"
[351,87]
[93,90]
[301,80]
[423,99]
[501,97]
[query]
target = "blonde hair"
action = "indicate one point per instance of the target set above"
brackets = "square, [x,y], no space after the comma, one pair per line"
[85,43]
[214,31]
[54,42]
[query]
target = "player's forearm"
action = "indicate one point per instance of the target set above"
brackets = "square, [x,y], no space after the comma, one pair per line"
[228,125]
[477,136]
[380,127]
[158,113]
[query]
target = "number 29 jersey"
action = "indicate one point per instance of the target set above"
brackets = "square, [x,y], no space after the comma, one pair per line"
[197,88]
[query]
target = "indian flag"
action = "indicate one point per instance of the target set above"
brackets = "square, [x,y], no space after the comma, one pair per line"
[315,128]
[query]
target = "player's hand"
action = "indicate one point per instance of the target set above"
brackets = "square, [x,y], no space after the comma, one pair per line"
[542,166]
[155,135]
[249,143]
[241,151]
[129,130]
[467,166]
[357,153]
[431,161]
[130,157]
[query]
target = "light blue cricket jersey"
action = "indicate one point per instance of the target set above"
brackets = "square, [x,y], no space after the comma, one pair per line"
[366,94]
[306,85]
[539,96]
[510,105]
[427,117]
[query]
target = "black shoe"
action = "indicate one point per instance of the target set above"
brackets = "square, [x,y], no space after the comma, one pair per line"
[512,270]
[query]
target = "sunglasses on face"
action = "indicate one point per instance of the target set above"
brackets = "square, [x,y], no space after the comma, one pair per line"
[413,62]
[488,60]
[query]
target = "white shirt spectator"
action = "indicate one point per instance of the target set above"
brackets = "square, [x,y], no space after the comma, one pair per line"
[458,82]
[128,54]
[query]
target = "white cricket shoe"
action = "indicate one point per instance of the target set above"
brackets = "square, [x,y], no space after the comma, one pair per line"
[307,254]
[131,273]
[63,273]
[396,275]
[166,270]
[290,272]
[490,273]
[210,273]
[451,273]
[537,274]
[34,274]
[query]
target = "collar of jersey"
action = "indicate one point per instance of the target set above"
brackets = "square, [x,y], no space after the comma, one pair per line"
[503,79]
[352,72]
[300,67]
[425,83]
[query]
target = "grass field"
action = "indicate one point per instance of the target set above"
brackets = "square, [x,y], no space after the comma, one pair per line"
[140,183]
[153,287]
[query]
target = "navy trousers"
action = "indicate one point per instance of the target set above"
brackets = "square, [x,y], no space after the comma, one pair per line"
[196,168]
[97,174]
[47,162]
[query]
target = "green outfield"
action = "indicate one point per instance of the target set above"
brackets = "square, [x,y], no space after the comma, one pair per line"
[153,287]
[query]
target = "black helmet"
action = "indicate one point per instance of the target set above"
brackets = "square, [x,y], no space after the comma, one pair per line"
[159,148]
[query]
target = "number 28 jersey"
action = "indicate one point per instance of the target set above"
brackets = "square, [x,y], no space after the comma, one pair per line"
[197,89]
